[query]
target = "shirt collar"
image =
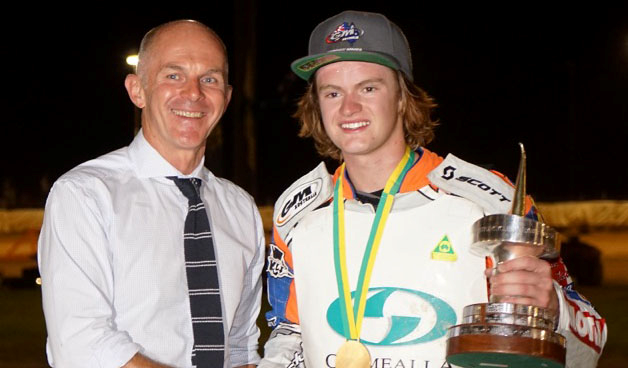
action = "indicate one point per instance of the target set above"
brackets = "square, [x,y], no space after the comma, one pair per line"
[149,163]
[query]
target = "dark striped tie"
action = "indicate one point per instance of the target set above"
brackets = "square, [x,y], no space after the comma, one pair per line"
[202,275]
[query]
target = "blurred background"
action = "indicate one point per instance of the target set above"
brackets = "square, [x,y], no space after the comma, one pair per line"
[554,77]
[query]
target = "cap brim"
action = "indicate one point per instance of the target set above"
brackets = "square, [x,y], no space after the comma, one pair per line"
[306,67]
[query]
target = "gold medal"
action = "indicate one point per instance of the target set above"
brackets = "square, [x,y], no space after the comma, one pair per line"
[353,354]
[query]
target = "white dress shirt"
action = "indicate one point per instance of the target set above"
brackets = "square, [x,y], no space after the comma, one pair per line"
[112,262]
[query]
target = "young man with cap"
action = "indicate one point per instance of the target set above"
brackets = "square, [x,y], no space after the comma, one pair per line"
[380,275]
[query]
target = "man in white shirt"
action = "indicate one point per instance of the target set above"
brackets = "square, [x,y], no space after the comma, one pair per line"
[111,250]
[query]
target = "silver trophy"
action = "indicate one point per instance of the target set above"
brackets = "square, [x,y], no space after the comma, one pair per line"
[508,335]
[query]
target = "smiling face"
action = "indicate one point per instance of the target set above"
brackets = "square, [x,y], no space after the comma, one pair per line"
[360,104]
[182,90]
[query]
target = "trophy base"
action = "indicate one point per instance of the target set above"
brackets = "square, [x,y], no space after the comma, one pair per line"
[491,351]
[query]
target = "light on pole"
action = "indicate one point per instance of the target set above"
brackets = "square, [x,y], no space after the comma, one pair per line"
[132,61]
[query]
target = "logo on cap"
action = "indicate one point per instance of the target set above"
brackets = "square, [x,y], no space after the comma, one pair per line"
[345,32]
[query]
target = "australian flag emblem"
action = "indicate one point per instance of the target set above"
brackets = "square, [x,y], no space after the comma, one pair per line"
[345,32]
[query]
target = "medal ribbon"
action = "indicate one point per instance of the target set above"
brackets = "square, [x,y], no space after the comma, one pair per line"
[352,317]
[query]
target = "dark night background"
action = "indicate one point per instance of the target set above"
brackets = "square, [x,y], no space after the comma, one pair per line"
[554,78]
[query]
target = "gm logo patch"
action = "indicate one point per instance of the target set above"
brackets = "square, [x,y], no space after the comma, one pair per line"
[396,316]
[298,199]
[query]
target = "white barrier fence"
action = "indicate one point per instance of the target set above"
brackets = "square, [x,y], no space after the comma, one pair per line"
[19,228]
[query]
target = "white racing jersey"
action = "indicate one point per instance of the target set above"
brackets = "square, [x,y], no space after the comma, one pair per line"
[424,273]
[423,276]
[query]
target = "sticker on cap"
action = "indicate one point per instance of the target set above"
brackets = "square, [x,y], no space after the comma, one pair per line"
[345,32]
[313,64]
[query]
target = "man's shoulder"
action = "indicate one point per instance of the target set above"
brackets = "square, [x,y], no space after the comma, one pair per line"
[106,167]
[92,182]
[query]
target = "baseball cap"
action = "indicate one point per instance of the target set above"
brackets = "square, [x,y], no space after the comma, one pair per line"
[356,36]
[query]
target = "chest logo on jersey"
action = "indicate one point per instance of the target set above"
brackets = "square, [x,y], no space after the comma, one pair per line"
[298,199]
[444,251]
[397,316]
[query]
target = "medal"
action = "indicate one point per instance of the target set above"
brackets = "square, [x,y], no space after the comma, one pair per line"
[353,353]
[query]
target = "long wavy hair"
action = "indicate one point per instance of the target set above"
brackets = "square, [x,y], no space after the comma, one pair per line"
[416,108]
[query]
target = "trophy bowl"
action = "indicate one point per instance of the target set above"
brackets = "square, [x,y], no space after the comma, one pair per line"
[508,335]
[510,236]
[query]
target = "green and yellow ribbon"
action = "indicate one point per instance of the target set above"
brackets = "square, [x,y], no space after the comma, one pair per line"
[352,316]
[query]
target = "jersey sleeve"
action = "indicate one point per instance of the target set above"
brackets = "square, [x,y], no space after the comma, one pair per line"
[284,346]
[584,329]
[281,292]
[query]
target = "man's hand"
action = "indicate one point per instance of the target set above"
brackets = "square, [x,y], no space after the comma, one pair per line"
[524,280]
[140,361]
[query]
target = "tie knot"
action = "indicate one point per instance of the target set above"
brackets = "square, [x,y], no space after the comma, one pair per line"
[190,188]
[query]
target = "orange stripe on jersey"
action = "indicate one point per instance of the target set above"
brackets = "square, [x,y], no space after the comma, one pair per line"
[292,312]
[347,190]
[416,178]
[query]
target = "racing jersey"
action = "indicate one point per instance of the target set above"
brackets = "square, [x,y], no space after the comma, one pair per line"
[423,276]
